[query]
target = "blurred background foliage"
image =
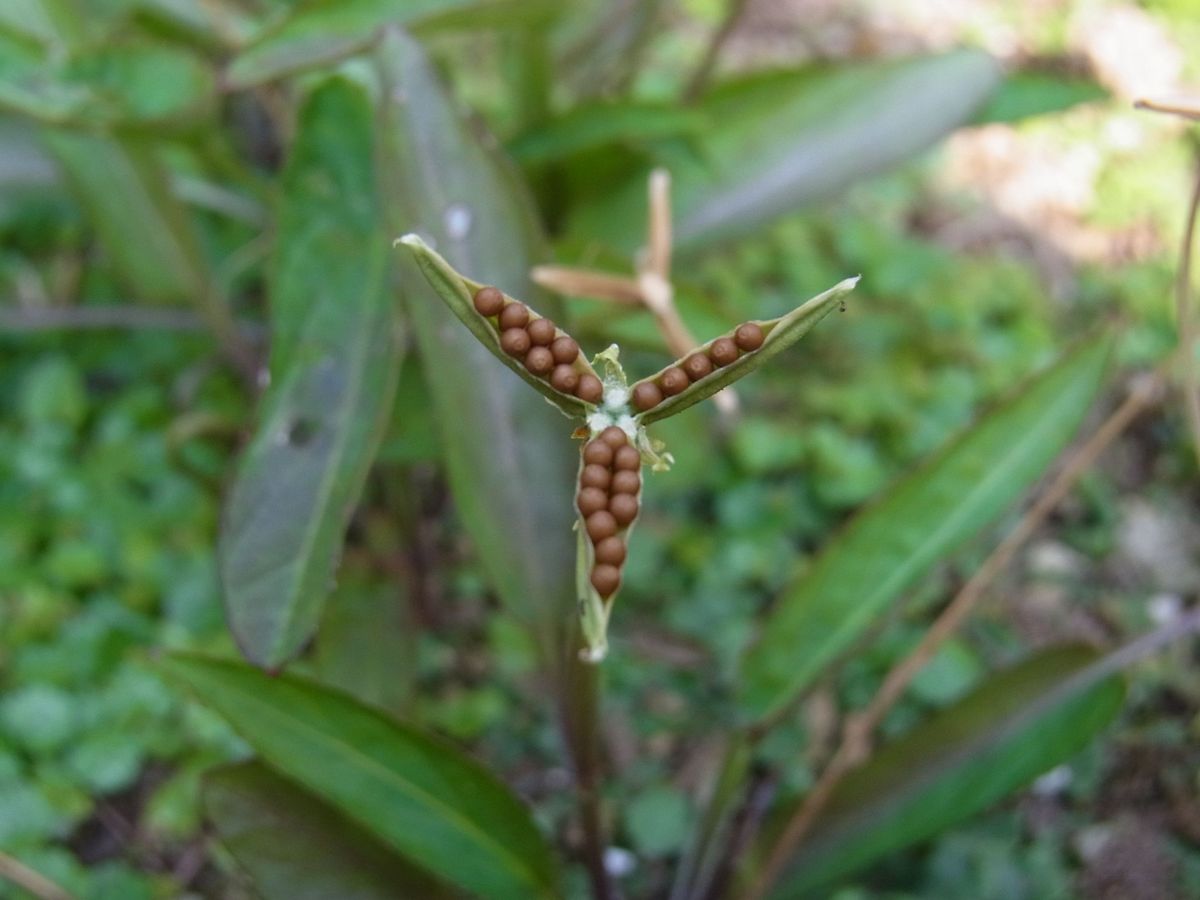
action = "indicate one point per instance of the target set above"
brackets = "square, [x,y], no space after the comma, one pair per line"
[981,260]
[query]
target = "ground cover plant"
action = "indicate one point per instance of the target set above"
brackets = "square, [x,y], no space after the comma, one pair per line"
[357,464]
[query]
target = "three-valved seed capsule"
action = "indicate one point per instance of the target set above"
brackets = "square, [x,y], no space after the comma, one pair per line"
[746,338]
[545,351]
[609,485]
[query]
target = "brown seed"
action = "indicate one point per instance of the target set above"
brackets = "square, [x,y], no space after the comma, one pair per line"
[723,351]
[600,525]
[611,551]
[748,336]
[614,437]
[606,579]
[697,366]
[626,482]
[647,395]
[539,361]
[627,457]
[595,476]
[515,315]
[514,342]
[589,389]
[673,381]
[565,350]
[591,500]
[488,301]
[541,332]
[624,508]
[597,452]
[564,378]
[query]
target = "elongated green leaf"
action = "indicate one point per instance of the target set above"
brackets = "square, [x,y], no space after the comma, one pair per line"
[297,847]
[335,360]
[439,809]
[1026,94]
[1021,723]
[781,141]
[780,334]
[927,514]
[456,292]
[508,453]
[320,32]
[600,124]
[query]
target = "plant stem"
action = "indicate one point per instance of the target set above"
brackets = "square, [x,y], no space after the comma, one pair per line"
[27,879]
[856,734]
[704,69]
[1185,317]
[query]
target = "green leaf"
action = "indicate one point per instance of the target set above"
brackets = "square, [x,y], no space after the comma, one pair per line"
[1026,94]
[439,809]
[321,32]
[456,292]
[297,847]
[599,124]
[925,516]
[508,454]
[1022,722]
[335,360]
[783,140]
[780,334]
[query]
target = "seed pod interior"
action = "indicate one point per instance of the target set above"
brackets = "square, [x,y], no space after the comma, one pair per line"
[608,461]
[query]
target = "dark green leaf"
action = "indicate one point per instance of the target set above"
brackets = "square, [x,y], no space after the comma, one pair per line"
[1025,94]
[321,32]
[335,358]
[1022,722]
[297,847]
[600,124]
[926,515]
[438,808]
[780,333]
[780,141]
[508,452]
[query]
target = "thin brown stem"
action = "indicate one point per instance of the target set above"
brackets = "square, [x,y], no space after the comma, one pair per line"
[708,62]
[1185,316]
[1188,108]
[856,734]
[27,879]
[588,283]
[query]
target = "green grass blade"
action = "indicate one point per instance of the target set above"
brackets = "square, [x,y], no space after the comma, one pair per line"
[335,359]
[295,846]
[435,806]
[886,548]
[1024,721]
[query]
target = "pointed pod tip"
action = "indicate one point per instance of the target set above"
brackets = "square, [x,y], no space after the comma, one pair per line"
[412,239]
[848,284]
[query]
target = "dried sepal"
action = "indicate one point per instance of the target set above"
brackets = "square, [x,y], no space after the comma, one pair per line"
[458,293]
[731,356]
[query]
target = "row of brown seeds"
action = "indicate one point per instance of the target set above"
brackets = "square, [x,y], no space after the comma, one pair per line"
[609,484]
[746,338]
[546,352]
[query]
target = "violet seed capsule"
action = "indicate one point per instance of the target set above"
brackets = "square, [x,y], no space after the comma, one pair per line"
[627,457]
[595,476]
[541,332]
[697,366]
[611,551]
[600,525]
[624,508]
[723,351]
[539,360]
[515,315]
[514,342]
[606,579]
[749,336]
[488,301]
[625,482]
[591,500]
[673,381]
[564,378]
[614,437]
[647,395]
[597,452]
[590,389]
[565,350]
